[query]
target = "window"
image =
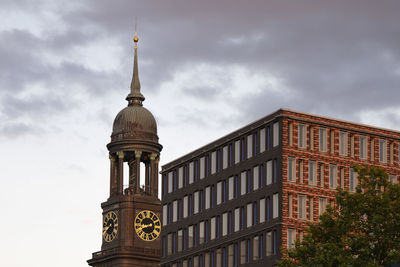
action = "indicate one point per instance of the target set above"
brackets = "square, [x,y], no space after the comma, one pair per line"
[291,170]
[170,182]
[230,222]
[268,209]
[219,193]
[249,215]
[255,178]
[261,246]
[332,176]
[382,151]
[180,240]
[322,206]
[202,168]
[237,218]
[164,246]
[275,209]
[230,155]
[269,172]
[236,192]
[165,214]
[175,211]
[242,218]
[207,198]
[262,210]
[191,172]
[290,205]
[255,213]
[290,133]
[363,147]
[249,146]
[262,176]
[224,224]
[311,210]
[212,228]
[190,205]
[321,175]
[249,182]
[352,145]
[236,253]
[196,202]
[268,244]
[312,173]
[393,179]
[262,140]
[268,138]
[275,138]
[352,180]
[243,183]
[322,140]
[275,170]
[169,244]
[224,157]
[230,188]
[201,232]
[213,162]
[180,177]
[256,248]
[302,207]
[343,143]
[243,252]
[302,136]
[175,181]
[185,206]
[237,151]
[291,238]
[243,149]
[190,235]
[230,256]
[332,142]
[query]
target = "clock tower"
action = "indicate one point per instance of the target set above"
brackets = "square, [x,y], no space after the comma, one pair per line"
[131,215]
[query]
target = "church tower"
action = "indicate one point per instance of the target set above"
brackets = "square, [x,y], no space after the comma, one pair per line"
[131,214]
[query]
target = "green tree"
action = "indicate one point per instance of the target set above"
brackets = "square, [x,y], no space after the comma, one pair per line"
[363,229]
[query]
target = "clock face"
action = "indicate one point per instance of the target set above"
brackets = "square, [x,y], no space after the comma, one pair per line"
[147,225]
[110,226]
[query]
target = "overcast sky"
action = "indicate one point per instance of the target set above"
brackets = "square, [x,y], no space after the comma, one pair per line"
[206,68]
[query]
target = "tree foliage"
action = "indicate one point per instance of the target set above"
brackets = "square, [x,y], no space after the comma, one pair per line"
[363,229]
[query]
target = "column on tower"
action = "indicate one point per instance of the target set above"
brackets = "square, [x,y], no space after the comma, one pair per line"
[113,176]
[138,155]
[132,173]
[120,180]
[154,174]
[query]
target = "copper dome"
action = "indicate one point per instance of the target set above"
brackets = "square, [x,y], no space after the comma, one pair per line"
[134,123]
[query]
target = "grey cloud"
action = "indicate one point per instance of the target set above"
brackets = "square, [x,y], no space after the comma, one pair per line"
[18,129]
[335,57]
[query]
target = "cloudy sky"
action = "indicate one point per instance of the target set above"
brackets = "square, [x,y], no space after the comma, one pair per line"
[206,68]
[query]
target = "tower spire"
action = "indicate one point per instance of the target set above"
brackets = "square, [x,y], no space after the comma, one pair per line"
[135,97]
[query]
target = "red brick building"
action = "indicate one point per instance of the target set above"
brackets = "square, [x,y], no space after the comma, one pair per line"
[239,199]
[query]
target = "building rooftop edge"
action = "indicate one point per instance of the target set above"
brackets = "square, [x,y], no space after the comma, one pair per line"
[270,117]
